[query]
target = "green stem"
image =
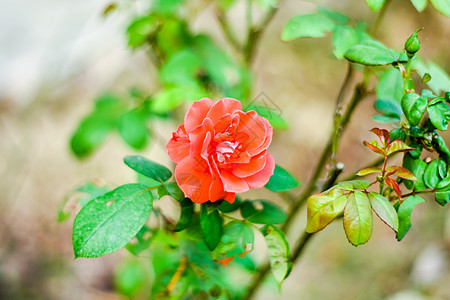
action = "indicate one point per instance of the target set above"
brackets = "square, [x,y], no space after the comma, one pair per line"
[379,18]
[419,192]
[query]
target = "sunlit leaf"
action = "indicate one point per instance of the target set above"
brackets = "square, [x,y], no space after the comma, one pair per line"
[384,210]
[397,146]
[368,170]
[400,172]
[375,147]
[352,184]
[417,167]
[322,210]
[133,129]
[404,215]
[109,222]
[358,218]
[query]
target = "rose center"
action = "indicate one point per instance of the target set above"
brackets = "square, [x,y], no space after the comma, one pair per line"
[227,149]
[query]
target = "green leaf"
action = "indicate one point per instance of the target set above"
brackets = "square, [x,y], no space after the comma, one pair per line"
[281,180]
[370,55]
[212,227]
[420,5]
[166,6]
[187,211]
[140,29]
[322,210]
[172,189]
[414,107]
[129,278]
[442,6]
[431,175]
[227,207]
[344,37]
[262,212]
[148,168]
[404,215]
[375,4]
[334,15]
[237,238]
[109,222]
[278,248]
[440,80]
[444,184]
[384,210]
[143,240]
[352,184]
[133,129]
[439,115]
[311,25]
[182,69]
[358,218]
[442,197]
[172,97]
[390,88]
[274,117]
[417,167]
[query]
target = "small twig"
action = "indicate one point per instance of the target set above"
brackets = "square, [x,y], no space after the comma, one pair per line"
[227,31]
[419,192]
[254,34]
[338,113]
[178,274]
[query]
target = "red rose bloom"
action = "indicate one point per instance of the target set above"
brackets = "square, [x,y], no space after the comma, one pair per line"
[221,150]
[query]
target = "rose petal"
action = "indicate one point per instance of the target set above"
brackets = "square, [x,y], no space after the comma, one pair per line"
[267,140]
[260,179]
[178,147]
[232,183]
[255,165]
[197,113]
[195,185]
[198,135]
[252,128]
[222,107]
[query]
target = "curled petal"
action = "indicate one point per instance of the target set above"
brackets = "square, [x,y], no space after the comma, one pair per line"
[178,146]
[222,107]
[255,165]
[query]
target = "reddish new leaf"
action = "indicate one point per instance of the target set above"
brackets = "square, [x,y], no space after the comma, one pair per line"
[394,185]
[375,147]
[383,134]
[368,170]
[397,146]
[400,172]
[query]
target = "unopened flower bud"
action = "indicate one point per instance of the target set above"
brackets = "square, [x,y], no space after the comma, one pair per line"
[412,44]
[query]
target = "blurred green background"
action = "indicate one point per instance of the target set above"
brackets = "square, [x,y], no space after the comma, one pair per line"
[56,57]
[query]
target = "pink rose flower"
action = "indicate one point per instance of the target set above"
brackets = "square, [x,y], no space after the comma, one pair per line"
[221,150]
